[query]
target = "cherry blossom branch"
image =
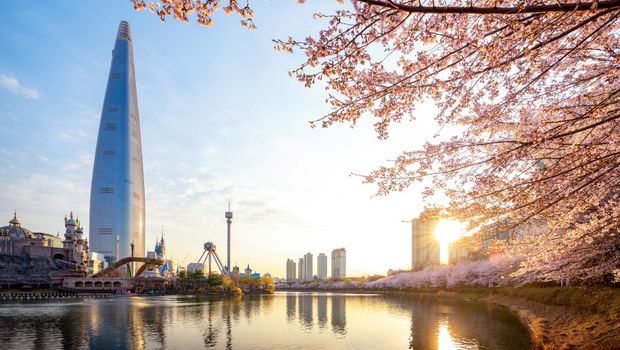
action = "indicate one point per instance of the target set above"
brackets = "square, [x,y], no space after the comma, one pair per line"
[511,10]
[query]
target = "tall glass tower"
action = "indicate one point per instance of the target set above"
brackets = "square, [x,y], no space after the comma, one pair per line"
[117,210]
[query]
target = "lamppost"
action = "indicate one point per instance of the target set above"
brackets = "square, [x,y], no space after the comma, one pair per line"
[132,263]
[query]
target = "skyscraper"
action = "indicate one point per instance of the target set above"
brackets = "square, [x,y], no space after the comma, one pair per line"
[424,246]
[290,270]
[301,269]
[321,266]
[308,273]
[339,263]
[117,208]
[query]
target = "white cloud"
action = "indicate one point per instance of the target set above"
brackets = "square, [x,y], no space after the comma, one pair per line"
[14,86]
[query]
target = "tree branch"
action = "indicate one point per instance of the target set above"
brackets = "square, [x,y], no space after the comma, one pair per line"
[557,7]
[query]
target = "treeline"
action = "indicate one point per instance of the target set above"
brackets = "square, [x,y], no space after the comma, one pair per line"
[216,283]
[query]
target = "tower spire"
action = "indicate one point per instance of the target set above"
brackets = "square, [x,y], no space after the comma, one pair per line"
[14,221]
[228,215]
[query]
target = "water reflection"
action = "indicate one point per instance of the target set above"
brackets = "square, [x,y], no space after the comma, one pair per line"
[211,331]
[322,310]
[291,302]
[446,342]
[280,321]
[305,311]
[339,314]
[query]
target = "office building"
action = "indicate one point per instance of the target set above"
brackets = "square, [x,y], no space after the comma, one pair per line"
[117,204]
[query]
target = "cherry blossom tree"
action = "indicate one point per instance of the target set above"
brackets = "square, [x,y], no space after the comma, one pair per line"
[204,9]
[532,86]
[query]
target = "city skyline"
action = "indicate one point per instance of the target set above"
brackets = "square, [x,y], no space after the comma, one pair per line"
[303,270]
[202,148]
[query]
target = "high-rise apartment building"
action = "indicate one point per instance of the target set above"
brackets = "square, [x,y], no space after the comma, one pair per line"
[117,206]
[321,266]
[290,270]
[301,270]
[339,263]
[308,272]
[425,250]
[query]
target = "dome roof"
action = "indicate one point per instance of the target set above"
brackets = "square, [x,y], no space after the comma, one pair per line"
[14,220]
[71,221]
[16,232]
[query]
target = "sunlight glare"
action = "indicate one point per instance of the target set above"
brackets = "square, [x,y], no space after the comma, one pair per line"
[444,339]
[446,232]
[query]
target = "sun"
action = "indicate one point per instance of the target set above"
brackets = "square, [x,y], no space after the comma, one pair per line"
[446,232]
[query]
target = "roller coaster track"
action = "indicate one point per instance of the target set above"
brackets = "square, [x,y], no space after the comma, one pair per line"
[125,261]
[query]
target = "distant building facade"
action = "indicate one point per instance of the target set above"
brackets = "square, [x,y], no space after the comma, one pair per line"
[308,267]
[391,272]
[425,249]
[321,266]
[494,238]
[339,263]
[16,240]
[301,270]
[195,267]
[291,270]
[169,268]
[248,271]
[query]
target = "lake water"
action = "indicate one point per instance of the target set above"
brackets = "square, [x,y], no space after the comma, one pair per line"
[285,320]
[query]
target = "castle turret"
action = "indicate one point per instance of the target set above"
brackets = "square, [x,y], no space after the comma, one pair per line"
[74,244]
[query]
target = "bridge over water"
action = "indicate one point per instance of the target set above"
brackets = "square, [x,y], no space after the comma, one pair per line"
[125,261]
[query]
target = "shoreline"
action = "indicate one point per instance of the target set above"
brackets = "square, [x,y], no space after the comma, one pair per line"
[558,317]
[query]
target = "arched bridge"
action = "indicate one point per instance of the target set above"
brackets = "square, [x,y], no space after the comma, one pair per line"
[128,260]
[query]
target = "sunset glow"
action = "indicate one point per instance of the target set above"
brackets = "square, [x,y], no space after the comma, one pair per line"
[446,232]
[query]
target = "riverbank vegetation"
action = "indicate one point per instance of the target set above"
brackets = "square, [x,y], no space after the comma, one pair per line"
[197,282]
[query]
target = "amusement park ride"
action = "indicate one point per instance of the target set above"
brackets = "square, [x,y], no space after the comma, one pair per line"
[210,249]
[211,254]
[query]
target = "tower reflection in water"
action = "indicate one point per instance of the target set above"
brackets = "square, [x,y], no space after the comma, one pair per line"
[280,321]
[306,303]
[322,310]
[291,304]
[305,311]
[339,314]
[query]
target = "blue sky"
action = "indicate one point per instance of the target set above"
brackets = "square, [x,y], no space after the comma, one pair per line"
[221,120]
